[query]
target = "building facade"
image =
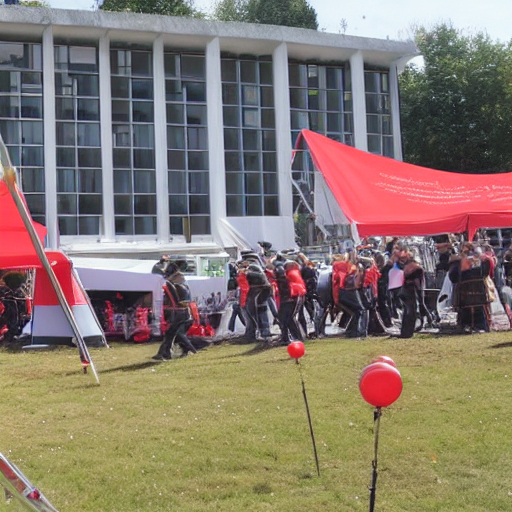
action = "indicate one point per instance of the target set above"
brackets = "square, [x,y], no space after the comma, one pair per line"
[139,134]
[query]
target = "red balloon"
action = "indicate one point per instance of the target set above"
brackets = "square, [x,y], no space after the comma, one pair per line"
[384,359]
[296,349]
[380,384]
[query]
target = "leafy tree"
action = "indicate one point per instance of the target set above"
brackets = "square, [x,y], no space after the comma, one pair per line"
[166,7]
[290,13]
[34,3]
[456,111]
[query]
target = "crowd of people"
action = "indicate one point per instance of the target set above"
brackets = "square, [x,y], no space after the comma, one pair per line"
[369,290]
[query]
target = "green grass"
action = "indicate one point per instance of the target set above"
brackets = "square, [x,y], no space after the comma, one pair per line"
[226,430]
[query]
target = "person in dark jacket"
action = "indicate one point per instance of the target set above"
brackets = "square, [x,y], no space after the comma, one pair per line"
[257,303]
[178,316]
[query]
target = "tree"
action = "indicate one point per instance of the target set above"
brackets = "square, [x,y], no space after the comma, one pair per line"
[34,3]
[166,7]
[456,111]
[290,13]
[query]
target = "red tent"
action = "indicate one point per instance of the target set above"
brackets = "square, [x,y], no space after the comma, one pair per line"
[382,196]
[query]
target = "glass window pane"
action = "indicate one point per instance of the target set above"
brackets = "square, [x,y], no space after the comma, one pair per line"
[141,63]
[32,107]
[232,161]
[65,134]
[88,110]
[35,203]
[9,81]
[266,73]
[249,95]
[178,205]
[332,78]
[230,94]
[196,91]
[143,136]
[67,226]
[89,204]
[87,85]
[90,181]
[297,75]
[89,225]
[269,140]
[267,96]
[192,66]
[144,182]
[63,84]
[374,144]
[248,73]
[299,120]
[173,90]
[66,204]
[198,205]
[32,132]
[142,111]
[175,137]
[251,117]
[177,182]
[251,139]
[122,182]
[231,116]
[144,205]
[371,81]
[88,134]
[89,157]
[334,101]
[269,162]
[235,184]
[267,118]
[253,183]
[228,70]
[197,160]
[252,162]
[66,181]
[199,183]
[235,206]
[124,226]
[122,158]
[120,87]
[64,108]
[121,135]
[196,138]
[10,131]
[298,98]
[82,58]
[145,225]
[388,149]
[143,159]
[142,89]
[372,124]
[196,114]
[231,138]
[120,62]
[32,180]
[200,225]
[171,64]
[123,205]
[271,205]
[253,205]
[386,125]
[334,123]
[269,183]
[174,113]
[176,159]
[176,226]
[9,106]
[32,156]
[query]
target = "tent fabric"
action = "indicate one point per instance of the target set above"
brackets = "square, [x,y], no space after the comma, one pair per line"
[382,196]
[17,250]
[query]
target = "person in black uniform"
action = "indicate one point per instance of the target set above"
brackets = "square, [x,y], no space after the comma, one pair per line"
[257,303]
[178,317]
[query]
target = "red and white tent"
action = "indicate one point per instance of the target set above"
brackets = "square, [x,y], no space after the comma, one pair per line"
[382,196]
[49,323]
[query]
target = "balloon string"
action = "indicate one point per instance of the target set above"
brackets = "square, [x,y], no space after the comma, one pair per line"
[309,417]
[373,489]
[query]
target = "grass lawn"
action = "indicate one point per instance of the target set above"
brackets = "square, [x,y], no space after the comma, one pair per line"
[226,429]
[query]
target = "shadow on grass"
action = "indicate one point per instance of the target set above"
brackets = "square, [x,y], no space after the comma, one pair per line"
[135,367]
[508,344]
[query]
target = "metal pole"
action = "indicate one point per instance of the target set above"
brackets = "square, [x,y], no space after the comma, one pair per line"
[9,177]
[309,418]
[376,425]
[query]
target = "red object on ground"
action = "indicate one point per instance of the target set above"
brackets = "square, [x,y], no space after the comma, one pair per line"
[380,384]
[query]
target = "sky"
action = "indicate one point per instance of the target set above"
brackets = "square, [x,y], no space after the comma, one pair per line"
[391,19]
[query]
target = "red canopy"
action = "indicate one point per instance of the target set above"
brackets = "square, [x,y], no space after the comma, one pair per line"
[16,248]
[383,196]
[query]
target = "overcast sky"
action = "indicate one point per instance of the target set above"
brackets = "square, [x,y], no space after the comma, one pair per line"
[390,18]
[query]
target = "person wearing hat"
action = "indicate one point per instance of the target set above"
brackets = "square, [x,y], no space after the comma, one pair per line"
[257,303]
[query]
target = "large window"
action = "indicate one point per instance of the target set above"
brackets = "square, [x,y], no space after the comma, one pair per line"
[77,113]
[320,101]
[187,144]
[249,137]
[21,118]
[133,141]
[378,113]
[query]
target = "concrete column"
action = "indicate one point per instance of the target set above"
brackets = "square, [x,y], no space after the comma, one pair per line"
[50,157]
[215,138]
[162,190]
[107,171]
[394,98]
[358,101]
[283,128]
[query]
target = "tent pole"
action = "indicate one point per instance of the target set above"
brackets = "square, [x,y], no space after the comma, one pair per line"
[9,177]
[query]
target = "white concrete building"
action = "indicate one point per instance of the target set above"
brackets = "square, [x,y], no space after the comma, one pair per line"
[137,135]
